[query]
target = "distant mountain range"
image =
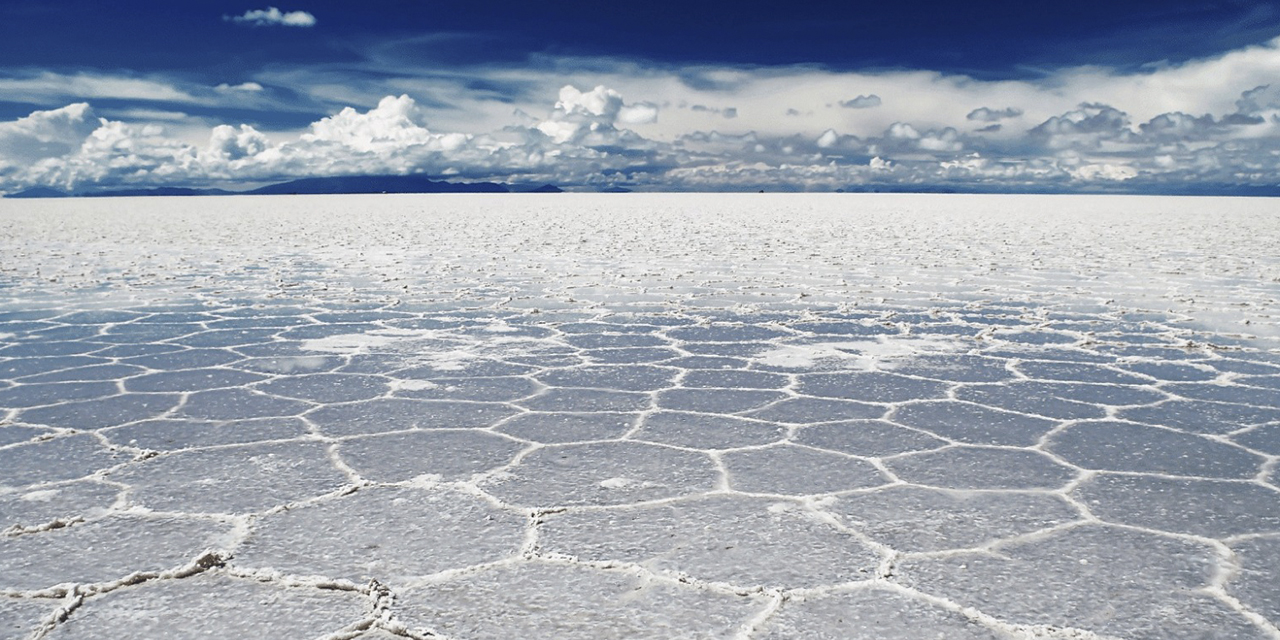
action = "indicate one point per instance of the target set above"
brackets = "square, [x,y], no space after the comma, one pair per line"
[424,184]
[38,192]
[46,192]
[377,184]
[333,185]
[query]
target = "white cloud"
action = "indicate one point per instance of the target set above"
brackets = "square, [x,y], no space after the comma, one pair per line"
[272,16]
[76,151]
[861,102]
[1088,126]
[113,154]
[585,140]
[465,99]
[591,118]
[1261,98]
[728,113]
[1211,121]
[45,134]
[1110,172]
[394,124]
[639,113]
[47,86]
[600,102]
[250,87]
[945,140]
[902,131]
[983,114]
[228,143]
[143,114]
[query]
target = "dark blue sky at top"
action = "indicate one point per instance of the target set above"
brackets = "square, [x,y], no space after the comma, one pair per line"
[985,39]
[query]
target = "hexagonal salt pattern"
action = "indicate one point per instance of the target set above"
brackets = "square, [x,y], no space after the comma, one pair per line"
[105,550]
[1104,579]
[870,614]
[882,426]
[729,539]
[61,502]
[214,607]
[1256,584]
[911,519]
[435,530]
[572,602]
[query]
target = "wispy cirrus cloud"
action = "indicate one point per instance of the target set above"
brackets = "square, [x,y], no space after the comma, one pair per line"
[44,86]
[251,87]
[272,16]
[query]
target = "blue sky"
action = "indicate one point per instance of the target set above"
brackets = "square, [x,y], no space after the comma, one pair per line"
[988,96]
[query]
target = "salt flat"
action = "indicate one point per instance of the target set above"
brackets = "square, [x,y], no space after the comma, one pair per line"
[640,416]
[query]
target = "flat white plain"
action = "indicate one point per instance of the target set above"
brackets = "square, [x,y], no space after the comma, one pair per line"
[646,415]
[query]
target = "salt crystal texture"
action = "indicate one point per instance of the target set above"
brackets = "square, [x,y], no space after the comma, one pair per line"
[644,416]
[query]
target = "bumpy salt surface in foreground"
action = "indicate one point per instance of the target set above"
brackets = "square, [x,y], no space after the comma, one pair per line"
[640,417]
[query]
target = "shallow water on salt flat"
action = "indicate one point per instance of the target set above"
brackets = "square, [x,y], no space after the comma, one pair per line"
[666,416]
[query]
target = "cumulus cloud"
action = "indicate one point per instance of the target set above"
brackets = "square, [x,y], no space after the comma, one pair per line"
[229,143]
[983,114]
[861,102]
[1088,126]
[396,123]
[902,131]
[272,16]
[639,113]
[585,140]
[901,137]
[584,134]
[482,99]
[591,118]
[1206,122]
[1108,172]
[1258,99]
[111,153]
[45,134]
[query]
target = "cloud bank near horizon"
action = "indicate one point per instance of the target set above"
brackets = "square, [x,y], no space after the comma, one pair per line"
[1208,122]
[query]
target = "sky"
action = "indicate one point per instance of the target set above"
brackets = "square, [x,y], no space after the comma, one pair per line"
[986,95]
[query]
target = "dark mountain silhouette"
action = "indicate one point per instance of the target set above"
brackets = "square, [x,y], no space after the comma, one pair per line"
[157,191]
[423,184]
[338,184]
[377,184]
[38,192]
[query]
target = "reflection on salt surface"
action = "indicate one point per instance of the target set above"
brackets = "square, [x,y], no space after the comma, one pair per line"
[726,417]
